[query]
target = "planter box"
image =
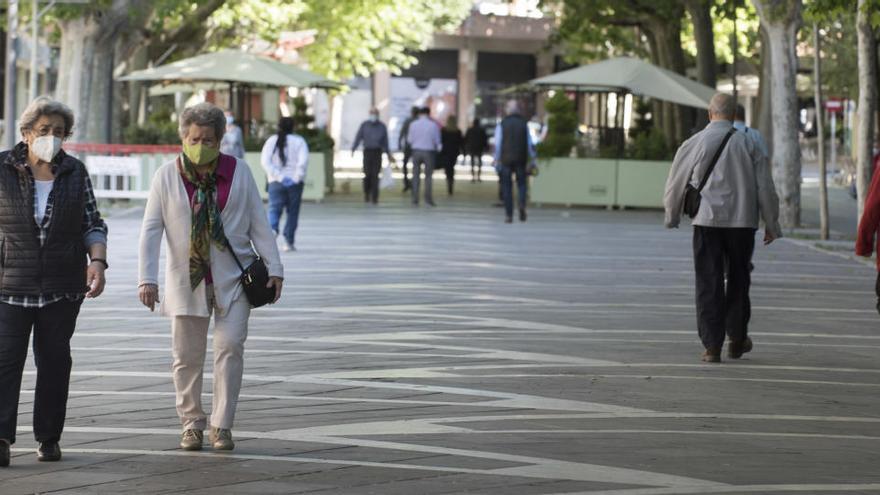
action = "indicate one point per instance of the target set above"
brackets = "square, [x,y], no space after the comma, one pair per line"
[641,183]
[315,175]
[576,181]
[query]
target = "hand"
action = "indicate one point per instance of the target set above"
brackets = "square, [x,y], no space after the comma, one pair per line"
[391,160]
[149,295]
[276,282]
[287,182]
[95,279]
[768,237]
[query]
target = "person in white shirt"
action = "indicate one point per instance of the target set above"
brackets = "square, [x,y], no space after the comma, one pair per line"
[285,157]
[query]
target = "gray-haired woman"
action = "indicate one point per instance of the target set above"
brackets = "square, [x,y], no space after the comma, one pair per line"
[49,224]
[199,200]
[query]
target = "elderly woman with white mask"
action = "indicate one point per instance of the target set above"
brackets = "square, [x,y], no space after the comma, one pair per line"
[200,200]
[49,227]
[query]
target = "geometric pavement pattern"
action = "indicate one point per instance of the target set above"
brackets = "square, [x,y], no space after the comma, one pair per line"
[438,351]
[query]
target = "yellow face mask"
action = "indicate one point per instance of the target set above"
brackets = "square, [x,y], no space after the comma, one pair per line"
[200,154]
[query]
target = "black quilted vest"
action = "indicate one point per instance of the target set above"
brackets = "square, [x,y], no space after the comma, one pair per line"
[59,266]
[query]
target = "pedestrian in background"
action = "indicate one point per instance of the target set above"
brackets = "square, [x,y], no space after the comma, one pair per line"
[49,224]
[233,140]
[514,154]
[374,135]
[452,145]
[285,158]
[476,142]
[737,193]
[404,144]
[870,223]
[205,203]
[424,137]
[739,123]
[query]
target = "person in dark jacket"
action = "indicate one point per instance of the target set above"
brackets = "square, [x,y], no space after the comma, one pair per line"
[514,152]
[55,253]
[452,146]
[476,142]
[404,145]
[374,135]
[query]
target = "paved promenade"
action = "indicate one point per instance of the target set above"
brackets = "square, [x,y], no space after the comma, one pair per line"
[439,351]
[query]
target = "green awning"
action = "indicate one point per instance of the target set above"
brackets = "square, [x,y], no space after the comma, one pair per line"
[630,75]
[233,66]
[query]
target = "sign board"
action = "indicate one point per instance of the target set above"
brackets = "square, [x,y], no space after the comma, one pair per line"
[113,165]
[835,106]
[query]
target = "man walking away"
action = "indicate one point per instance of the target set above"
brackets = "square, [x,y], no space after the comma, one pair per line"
[475,144]
[513,151]
[738,192]
[403,144]
[424,137]
[374,135]
[452,145]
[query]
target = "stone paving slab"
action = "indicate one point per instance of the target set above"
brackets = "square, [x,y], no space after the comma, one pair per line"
[439,351]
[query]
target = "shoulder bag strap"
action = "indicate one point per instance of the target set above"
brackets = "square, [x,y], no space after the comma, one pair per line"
[715,159]
[232,252]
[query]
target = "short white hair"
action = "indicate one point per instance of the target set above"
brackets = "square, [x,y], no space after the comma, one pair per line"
[44,105]
[723,105]
[203,115]
[511,107]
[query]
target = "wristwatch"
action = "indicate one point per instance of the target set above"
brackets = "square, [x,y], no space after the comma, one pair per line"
[100,260]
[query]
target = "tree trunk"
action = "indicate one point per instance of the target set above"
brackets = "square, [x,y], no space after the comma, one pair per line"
[820,136]
[85,73]
[763,112]
[867,104]
[677,121]
[707,68]
[782,19]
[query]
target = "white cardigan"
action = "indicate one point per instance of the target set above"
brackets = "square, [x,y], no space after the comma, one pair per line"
[169,211]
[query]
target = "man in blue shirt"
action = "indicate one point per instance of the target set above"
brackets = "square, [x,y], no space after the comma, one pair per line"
[424,137]
[514,152]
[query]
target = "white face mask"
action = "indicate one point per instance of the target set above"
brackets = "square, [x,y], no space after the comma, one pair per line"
[46,147]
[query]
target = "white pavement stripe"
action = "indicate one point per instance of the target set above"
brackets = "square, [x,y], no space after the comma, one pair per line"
[821,488]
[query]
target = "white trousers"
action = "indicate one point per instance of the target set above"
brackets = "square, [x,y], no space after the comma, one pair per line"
[189,335]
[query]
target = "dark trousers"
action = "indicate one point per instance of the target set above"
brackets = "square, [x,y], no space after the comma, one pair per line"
[522,187]
[723,308]
[449,163]
[372,166]
[407,155]
[476,166]
[283,198]
[53,326]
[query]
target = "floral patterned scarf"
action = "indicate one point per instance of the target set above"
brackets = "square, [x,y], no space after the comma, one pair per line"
[206,222]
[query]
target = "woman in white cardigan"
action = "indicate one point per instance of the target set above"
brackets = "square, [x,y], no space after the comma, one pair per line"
[196,200]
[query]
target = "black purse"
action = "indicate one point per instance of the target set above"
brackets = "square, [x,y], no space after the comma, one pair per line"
[254,279]
[692,195]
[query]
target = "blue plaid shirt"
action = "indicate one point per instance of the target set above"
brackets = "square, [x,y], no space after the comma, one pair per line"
[93,228]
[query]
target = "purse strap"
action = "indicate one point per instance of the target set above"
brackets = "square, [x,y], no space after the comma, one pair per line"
[715,159]
[232,252]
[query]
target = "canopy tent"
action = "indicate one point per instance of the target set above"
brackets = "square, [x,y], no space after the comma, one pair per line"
[630,75]
[234,67]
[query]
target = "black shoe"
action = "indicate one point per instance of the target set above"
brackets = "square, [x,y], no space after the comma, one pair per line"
[49,452]
[508,220]
[522,215]
[735,350]
[431,203]
[4,453]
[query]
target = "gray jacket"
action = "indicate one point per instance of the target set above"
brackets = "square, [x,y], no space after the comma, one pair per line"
[740,190]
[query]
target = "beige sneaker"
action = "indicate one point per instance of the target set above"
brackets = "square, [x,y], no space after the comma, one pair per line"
[192,440]
[221,439]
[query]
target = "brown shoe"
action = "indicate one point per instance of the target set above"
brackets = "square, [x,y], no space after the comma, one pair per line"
[735,350]
[711,356]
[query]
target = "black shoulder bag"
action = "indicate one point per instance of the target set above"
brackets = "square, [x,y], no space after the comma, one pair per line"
[692,195]
[254,279]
